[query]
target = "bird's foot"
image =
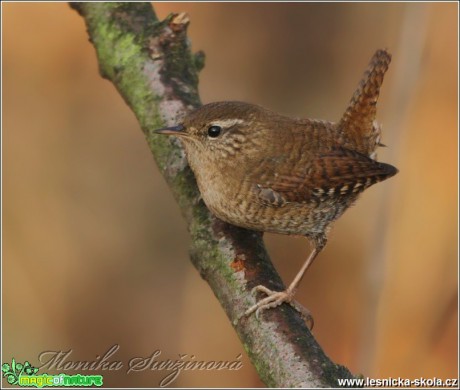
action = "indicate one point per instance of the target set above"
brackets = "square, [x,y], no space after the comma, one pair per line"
[276,298]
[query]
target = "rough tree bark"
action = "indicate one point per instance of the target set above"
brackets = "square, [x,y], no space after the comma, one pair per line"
[151,64]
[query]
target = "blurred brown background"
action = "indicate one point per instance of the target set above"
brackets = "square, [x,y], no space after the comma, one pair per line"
[95,251]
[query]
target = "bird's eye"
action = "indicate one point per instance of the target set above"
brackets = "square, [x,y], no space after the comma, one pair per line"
[214,131]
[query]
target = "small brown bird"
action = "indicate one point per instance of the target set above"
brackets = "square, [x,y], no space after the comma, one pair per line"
[263,171]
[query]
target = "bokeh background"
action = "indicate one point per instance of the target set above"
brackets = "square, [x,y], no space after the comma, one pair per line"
[95,252]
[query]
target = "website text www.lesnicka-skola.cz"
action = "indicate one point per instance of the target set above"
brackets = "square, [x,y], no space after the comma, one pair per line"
[398,382]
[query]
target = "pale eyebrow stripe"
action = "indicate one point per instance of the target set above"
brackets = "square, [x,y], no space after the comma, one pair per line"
[226,123]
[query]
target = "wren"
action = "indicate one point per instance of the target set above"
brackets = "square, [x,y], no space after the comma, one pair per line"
[264,171]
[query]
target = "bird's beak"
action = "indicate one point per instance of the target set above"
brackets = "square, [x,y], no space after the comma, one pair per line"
[178,130]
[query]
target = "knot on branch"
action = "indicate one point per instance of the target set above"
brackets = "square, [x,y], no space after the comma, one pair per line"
[180,67]
[179,22]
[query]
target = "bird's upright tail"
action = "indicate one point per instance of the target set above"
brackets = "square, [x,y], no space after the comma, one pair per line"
[358,129]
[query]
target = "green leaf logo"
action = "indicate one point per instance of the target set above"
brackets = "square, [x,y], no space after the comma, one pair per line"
[12,373]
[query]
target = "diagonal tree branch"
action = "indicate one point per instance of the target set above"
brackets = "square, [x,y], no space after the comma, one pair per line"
[151,64]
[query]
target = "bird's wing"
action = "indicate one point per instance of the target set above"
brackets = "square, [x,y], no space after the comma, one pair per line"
[336,173]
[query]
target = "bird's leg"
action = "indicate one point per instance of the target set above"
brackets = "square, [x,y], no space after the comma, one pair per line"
[276,298]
